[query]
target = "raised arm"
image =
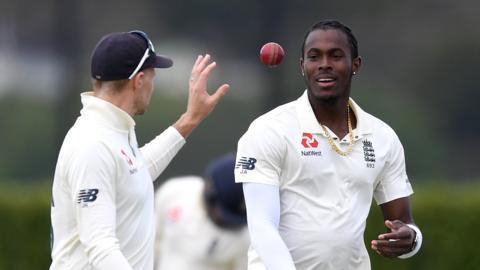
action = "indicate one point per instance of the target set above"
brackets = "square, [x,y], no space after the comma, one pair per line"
[200,103]
[161,150]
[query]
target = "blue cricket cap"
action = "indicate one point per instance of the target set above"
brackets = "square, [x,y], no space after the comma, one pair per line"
[228,194]
[121,55]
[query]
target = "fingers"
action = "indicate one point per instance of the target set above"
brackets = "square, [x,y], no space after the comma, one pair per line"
[199,58]
[398,229]
[199,66]
[391,243]
[394,243]
[403,234]
[206,71]
[201,103]
[393,225]
[390,249]
[200,63]
[221,91]
[199,76]
[200,72]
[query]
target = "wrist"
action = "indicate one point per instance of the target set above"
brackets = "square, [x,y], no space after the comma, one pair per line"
[185,125]
[417,242]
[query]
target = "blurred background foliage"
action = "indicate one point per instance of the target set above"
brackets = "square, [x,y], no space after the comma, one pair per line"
[418,75]
[448,215]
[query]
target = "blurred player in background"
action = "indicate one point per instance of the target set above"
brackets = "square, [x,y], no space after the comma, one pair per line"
[201,221]
[309,170]
[102,199]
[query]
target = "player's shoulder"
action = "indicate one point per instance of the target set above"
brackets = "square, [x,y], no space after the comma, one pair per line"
[87,134]
[80,144]
[277,118]
[377,122]
[381,125]
[377,126]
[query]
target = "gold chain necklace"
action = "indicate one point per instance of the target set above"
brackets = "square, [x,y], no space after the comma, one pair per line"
[350,133]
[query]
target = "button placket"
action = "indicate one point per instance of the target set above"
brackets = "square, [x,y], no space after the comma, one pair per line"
[132,142]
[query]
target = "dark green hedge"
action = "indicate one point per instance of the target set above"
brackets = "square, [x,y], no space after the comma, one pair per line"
[449,216]
[24,227]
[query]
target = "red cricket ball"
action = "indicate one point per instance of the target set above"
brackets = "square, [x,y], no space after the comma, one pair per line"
[271,54]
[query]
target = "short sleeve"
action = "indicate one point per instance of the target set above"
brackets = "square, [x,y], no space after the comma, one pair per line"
[393,181]
[259,155]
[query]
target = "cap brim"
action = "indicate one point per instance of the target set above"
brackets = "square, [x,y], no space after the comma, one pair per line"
[162,62]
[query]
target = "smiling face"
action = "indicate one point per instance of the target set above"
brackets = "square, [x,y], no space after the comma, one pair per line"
[327,64]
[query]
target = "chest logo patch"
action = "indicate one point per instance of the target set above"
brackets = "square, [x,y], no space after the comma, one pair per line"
[87,196]
[246,163]
[308,141]
[129,161]
[369,153]
[127,158]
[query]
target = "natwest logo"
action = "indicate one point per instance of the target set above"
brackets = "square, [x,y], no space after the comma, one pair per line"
[308,141]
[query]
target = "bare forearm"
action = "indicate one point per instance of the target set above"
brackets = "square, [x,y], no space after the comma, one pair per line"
[186,124]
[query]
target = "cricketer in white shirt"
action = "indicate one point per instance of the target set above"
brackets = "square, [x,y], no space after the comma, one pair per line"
[187,238]
[103,191]
[102,196]
[324,197]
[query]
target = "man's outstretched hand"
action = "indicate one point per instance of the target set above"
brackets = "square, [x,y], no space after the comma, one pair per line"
[200,102]
[398,241]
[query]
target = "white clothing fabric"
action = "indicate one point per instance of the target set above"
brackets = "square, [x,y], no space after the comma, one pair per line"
[324,197]
[102,195]
[186,237]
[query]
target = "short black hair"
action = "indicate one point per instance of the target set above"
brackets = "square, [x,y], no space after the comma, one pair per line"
[332,24]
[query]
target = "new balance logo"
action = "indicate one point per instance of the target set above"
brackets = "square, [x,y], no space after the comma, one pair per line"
[246,163]
[87,195]
[308,141]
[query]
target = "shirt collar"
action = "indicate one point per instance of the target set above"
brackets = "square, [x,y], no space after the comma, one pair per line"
[309,123]
[106,112]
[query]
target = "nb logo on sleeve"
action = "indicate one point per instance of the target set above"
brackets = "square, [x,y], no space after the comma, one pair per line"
[87,195]
[246,163]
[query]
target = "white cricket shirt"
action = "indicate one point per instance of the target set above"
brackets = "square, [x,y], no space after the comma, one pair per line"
[324,197]
[102,196]
[186,237]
